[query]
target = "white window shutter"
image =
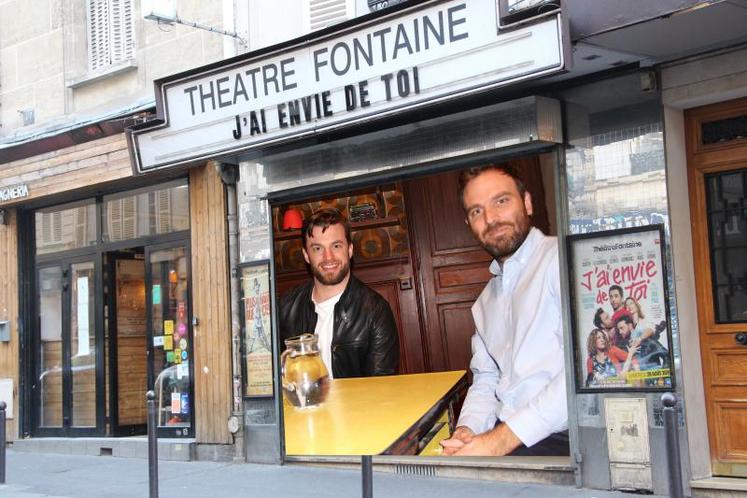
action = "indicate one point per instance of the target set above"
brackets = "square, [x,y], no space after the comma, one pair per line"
[319,14]
[111,33]
[163,206]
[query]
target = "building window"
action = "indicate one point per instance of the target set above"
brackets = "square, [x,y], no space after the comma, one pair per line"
[319,14]
[111,33]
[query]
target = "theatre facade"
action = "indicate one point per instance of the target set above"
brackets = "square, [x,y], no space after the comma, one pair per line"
[158,261]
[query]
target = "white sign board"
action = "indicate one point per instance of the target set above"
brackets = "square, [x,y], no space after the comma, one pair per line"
[6,394]
[421,55]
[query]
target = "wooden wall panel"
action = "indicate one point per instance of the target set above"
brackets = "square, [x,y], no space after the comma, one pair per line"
[211,304]
[70,168]
[9,311]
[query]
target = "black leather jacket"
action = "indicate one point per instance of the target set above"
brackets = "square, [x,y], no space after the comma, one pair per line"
[364,339]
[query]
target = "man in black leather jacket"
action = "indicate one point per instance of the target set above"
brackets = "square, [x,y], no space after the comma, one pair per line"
[356,329]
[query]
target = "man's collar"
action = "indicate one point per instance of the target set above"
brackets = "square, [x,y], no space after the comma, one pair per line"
[522,254]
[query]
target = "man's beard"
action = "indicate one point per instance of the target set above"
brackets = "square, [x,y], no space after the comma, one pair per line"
[331,278]
[507,244]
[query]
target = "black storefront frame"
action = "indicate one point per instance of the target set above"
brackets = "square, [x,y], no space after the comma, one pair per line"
[29,326]
[65,264]
[175,244]
[498,155]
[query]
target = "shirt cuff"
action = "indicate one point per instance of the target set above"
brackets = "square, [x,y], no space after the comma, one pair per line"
[528,426]
[477,423]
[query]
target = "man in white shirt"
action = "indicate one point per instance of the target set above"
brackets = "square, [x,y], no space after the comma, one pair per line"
[517,402]
[355,326]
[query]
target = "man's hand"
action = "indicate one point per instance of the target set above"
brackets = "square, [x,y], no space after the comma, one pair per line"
[498,441]
[462,435]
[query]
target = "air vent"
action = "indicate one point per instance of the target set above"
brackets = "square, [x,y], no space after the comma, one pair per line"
[323,13]
[416,470]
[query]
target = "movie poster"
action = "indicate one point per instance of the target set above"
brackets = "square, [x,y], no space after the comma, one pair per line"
[620,310]
[255,286]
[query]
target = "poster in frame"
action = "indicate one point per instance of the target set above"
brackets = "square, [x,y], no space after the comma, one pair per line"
[620,310]
[257,334]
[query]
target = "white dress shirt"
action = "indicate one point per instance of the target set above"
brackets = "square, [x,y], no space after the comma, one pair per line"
[517,350]
[325,323]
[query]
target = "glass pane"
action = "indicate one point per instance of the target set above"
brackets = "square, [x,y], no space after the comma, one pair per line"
[171,337]
[83,344]
[727,229]
[62,228]
[146,212]
[50,361]
[132,342]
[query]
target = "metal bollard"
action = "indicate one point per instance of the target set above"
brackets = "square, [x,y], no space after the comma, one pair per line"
[2,441]
[152,445]
[673,448]
[367,476]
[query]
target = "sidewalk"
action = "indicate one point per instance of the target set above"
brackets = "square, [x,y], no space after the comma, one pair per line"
[32,475]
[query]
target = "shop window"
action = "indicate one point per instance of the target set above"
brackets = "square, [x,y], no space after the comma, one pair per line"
[64,227]
[111,33]
[146,212]
[319,14]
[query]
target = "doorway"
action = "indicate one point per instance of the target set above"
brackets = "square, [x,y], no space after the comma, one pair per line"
[128,341]
[149,339]
[717,171]
[68,393]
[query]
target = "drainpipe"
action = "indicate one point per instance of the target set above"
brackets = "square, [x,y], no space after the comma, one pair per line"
[229,173]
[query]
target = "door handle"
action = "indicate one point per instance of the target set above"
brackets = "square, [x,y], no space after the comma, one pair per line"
[741,338]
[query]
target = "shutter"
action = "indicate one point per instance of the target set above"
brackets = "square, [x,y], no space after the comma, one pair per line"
[111,33]
[323,13]
[81,220]
[98,34]
[129,217]
[114,215]
[121,31]
[57,227]
[163,210]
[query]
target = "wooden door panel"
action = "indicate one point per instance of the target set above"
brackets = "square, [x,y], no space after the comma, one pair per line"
[456,321]
[460,278]
[728,367]
[731,417]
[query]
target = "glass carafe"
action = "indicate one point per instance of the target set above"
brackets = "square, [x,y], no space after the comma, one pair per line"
[305,379]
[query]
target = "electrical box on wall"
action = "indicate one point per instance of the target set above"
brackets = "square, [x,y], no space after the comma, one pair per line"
[628,444]
[4,330]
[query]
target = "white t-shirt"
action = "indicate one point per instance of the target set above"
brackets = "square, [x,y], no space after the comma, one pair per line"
[325,323]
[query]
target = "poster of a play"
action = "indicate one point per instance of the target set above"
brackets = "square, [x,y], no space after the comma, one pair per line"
[620,314]
[255,286]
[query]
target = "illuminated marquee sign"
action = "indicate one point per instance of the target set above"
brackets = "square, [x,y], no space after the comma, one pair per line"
[418,56]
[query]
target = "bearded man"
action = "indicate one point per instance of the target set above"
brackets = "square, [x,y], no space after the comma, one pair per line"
[516,404]
[355,327]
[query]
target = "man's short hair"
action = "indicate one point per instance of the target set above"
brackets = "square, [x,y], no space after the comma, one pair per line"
[598,318]
[470,174]
[617,288]
[624,318]
[324,218]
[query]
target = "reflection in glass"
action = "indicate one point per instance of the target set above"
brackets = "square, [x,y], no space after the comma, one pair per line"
[171,337]
[50,361]
[146,212]
[727,229]
[63,228]
[83,345]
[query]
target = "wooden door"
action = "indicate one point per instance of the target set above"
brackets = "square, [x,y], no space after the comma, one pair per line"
[451,266]
[717,170]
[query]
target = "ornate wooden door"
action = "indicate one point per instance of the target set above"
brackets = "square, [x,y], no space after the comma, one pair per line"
[717,169]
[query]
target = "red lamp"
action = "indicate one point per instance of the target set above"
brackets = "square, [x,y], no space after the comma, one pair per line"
[292,219]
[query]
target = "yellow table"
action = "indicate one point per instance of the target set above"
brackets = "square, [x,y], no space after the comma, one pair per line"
[372,415]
